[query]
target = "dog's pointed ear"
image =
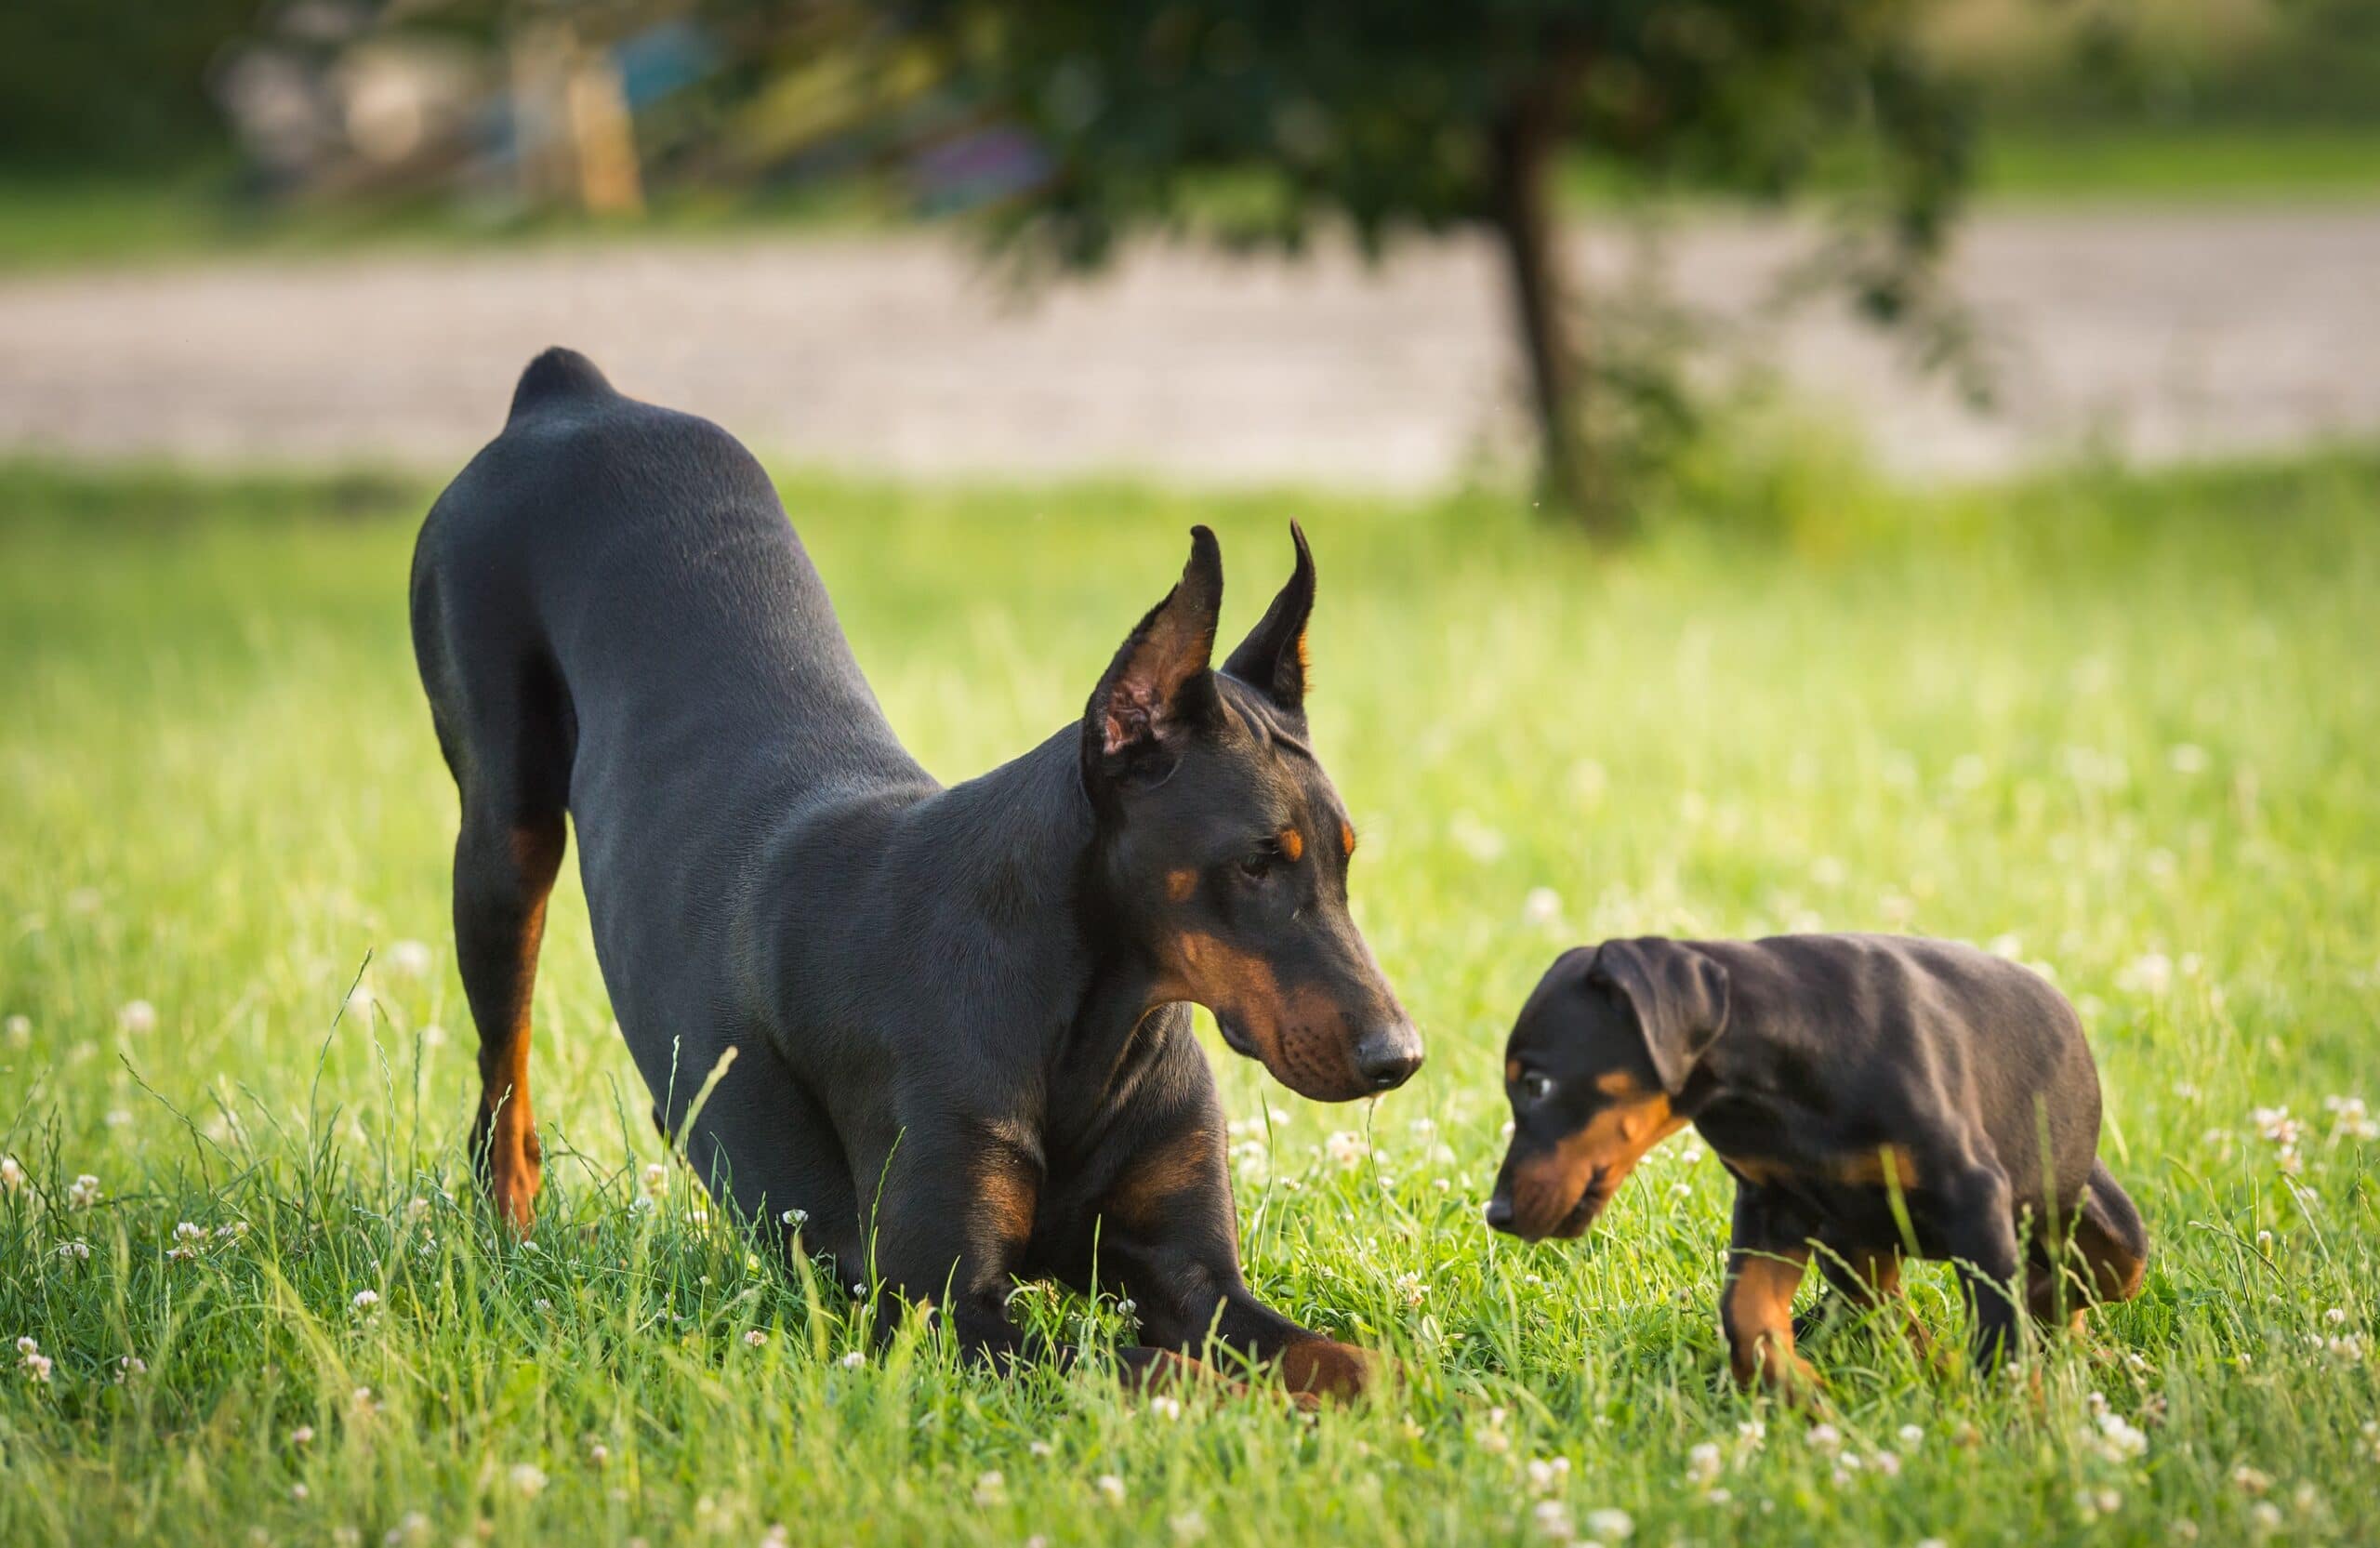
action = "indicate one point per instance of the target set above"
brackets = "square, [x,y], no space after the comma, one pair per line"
[1159,692]
[1272,660]
[1679,995]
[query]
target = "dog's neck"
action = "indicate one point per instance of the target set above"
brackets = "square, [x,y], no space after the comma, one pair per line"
[1020,844]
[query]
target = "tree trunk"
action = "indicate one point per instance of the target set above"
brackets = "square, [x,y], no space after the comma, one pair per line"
[1524,144]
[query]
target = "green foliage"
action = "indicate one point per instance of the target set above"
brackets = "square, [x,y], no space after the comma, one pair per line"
[117,84]
[2126,725]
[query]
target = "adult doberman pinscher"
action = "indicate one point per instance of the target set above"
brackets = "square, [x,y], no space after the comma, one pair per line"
[959,1017]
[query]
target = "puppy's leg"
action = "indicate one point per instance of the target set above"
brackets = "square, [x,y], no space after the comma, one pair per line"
[1767,1258]
[2104,1260]
[1868,1279]
[1979,1236]
[504,864]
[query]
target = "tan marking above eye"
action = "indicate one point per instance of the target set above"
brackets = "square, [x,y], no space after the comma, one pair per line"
[1292,844]
[1511,1070]
[1617,1082]
[1179,884]
[1346,838]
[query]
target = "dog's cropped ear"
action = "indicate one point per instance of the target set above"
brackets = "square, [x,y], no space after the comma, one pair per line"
[1159,692]
[1679,995]
[1272,660]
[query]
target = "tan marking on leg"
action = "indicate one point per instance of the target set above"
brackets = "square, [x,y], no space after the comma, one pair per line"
[1756,1310]
[1005,1199]
[1159,1175]
[515,1160]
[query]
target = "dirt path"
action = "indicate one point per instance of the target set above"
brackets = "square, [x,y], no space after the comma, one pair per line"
[2154,335]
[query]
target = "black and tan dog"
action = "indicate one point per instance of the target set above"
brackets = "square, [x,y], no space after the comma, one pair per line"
[962,1050]
[1871,1095]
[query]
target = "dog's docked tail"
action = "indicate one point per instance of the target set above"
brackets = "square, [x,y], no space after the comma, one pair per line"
[558,374]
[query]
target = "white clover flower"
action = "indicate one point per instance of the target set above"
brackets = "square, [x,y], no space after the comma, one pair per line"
[83,1192]
[137,1017]
[755,1338]
[1346,1149]
[19,1031]
[299,1492]
[1703,1464]
[129,1366]
[412,1526]
[2116,1439]
[1910,1437]
[1547,1475]
[188,1232]
[232,1230]
[656,1178]
[1541,908]
[1552,1518]
[302,1435]
[2348,1350]
[1825,1439]
[1750,1434]
[1187,1526]
[1412,1287]
[1164,1406]
[2264,1516]
[1610,1526]
[1110,1486]
[990,1487]
[410,958]
[598,1453]
[529,1479]
[2250,1480]
[796,1219]
[853,1360]
[77,1251]
[12,1174]
[363,1301]
[1887,1463]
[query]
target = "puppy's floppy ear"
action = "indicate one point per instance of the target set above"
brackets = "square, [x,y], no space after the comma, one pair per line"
[1159,692]
[1272,660]
[1679,995]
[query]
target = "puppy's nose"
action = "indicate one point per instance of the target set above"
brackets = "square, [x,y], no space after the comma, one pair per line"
[1500,1214]
[1387,1056]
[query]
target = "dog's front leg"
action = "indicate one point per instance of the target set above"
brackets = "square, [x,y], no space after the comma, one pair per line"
[1175,1240]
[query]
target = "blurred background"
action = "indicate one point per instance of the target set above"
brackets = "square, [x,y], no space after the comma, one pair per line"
[1381,247]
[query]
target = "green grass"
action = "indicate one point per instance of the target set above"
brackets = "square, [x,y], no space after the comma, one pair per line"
[2180,163]
[2129,726]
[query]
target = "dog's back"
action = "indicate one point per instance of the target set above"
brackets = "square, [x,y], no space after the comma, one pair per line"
[614,619]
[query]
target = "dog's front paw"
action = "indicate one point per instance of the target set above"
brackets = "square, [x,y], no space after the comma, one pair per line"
[1318,1367]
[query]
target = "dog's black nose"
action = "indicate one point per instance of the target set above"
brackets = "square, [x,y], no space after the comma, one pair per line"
[1499,1212]
[1387,1056]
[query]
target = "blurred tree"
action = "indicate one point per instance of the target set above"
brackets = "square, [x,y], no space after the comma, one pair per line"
[117,85]
[1257,120]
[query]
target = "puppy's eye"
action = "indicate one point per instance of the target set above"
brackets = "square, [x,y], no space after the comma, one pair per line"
[1535,1087]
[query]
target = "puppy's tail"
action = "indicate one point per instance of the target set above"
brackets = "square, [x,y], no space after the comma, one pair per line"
[2111,1238]
[558,374]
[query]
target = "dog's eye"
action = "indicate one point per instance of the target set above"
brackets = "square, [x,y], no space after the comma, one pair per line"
[1535,1087]
[1257,867]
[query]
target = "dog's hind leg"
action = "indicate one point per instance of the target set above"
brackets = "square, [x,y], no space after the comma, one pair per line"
[2107,1246]
[504,865]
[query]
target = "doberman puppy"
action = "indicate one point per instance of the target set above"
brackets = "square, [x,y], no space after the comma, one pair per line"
[959,1017]
[1871,1095]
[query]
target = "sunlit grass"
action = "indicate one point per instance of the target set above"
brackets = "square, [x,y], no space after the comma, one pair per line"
[2121,728]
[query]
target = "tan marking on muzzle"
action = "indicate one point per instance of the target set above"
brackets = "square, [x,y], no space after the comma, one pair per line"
[1302,1037]
[1600,1154]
